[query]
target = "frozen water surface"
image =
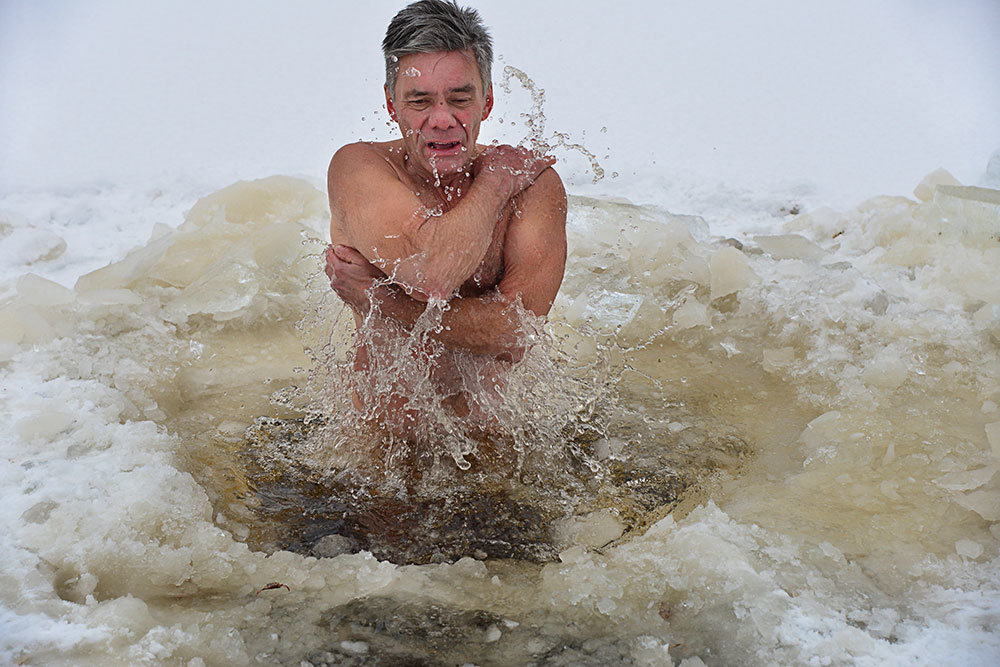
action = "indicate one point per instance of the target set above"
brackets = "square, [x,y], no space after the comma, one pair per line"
[778,447]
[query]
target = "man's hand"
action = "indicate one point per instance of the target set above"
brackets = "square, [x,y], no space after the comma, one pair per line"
[512,167]
[351,276]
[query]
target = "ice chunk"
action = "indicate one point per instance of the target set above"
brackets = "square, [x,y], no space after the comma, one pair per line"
[605,310]
[111,297]
[224,291]
[993,437]
[11,329]
[987,317]
[356,648]
[823,222]
[774,360]
[41,292]
[731,272]
[691,313]
[20,323]
[125,273]
[651,652]
[969,548]
[966,480]
[925,191]
[592,530]
[822,430]
[789,246]
[693,661]
[973,213]
[886,370]
[43,425]
[265,200]
[985,502]
[831,551]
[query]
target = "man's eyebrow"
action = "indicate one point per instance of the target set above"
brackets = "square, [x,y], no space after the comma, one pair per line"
[468,88]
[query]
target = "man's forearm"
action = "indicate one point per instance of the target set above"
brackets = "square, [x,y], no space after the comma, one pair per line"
[448,248]
[477,325]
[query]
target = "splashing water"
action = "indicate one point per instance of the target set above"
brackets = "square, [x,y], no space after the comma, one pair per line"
[535,122]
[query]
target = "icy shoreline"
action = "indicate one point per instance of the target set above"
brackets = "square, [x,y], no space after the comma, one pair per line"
[865,533]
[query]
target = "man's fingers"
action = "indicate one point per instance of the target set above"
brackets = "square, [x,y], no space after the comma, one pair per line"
[349,255]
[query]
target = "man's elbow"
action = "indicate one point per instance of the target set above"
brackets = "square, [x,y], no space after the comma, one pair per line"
[424,283]
[507,346]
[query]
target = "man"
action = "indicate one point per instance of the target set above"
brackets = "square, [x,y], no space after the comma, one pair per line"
[436,216]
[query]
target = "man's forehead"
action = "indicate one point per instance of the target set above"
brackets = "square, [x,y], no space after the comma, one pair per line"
[458,70]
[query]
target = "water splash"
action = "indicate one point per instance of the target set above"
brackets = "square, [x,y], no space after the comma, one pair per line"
[534,120]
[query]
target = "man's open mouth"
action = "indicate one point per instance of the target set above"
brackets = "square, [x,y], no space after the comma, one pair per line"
[443,145]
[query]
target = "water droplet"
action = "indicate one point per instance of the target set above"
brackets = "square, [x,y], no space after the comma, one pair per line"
[604,130]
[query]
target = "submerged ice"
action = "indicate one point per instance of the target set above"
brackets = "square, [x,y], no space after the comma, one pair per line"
[820,393]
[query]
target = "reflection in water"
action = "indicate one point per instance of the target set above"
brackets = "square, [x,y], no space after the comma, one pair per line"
[775,448]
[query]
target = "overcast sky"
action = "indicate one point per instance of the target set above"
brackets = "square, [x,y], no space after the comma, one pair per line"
[861,96]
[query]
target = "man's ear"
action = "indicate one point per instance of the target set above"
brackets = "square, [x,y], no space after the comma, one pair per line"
[488,107]
[388,104]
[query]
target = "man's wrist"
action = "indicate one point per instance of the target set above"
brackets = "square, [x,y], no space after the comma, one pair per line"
[495,181]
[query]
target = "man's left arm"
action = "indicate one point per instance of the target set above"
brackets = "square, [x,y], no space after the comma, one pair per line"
[534,262]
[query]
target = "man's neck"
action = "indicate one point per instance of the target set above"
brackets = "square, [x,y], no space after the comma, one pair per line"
[447,188]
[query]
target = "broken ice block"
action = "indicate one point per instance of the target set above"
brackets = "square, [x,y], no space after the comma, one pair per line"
[993,437]
[789,246]
[39,291]
[773,361]
[691,313]
[925,191]
[973,213]
[263,201]
[886,370]
[731,272]
[969,548]
[605,311]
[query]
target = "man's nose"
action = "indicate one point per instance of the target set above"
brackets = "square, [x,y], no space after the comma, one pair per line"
[441,117]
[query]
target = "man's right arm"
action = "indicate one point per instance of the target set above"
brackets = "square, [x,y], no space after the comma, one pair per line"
[430,255]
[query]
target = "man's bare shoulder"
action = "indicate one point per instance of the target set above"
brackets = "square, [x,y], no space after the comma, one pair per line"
[547,193]
[364,156]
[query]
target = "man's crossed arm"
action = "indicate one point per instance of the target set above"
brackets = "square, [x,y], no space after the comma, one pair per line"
[534,262]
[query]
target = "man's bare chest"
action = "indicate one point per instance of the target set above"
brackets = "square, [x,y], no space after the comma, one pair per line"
[490,271]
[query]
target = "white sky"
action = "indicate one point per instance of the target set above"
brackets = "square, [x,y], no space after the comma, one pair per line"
[858,97]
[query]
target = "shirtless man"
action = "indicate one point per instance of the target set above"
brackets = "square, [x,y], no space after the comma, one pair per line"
[442,216]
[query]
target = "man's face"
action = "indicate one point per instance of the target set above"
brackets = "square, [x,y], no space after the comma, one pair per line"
[439,105]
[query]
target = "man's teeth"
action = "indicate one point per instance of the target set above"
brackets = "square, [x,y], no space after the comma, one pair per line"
[441,145]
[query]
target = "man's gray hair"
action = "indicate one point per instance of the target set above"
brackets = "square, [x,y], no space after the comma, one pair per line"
[435,25]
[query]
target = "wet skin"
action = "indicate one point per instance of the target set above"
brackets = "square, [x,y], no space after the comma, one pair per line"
[446,218]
